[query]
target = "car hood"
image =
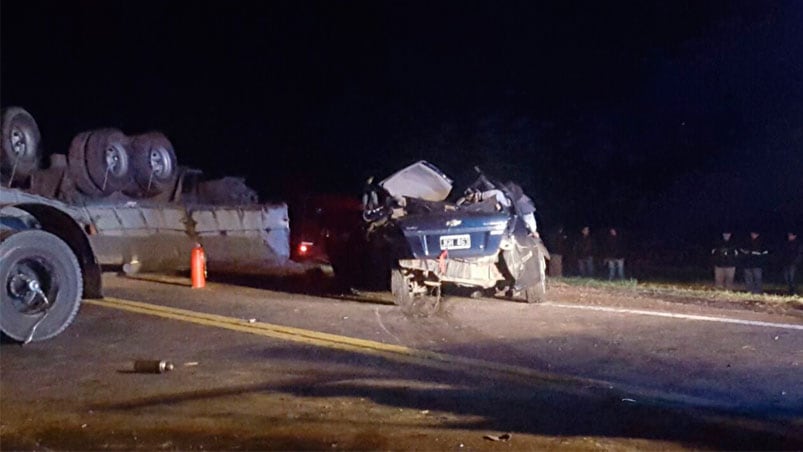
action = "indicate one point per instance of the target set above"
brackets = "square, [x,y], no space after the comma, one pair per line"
[420,180]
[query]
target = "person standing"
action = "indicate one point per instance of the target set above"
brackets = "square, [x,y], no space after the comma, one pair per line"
[755,258]
[724,256]
[614,255]
[792,258]
[584,250]
[557,249]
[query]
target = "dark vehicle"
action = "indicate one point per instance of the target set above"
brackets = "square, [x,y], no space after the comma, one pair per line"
[321,222]
[485,240]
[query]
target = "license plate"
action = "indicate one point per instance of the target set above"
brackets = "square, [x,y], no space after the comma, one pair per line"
[455,242]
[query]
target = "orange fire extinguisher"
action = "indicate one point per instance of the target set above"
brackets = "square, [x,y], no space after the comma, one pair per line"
[198,267]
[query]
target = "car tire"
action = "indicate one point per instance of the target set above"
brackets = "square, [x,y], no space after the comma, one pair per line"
[108,160]
[400,288]
[42,257]
[76,164]
[535,294]
[20,151]
[154,163]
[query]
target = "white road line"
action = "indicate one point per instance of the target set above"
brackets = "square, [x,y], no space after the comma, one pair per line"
[705,318]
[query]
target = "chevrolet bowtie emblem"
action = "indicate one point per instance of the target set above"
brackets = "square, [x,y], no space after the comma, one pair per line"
[453,223]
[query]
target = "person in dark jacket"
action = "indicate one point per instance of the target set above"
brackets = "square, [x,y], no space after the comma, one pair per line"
[614,254]
[754,259]
[725,255]
[792,258]
[557,249]
[584,250]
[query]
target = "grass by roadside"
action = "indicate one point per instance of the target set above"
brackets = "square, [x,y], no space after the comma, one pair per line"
[702,291]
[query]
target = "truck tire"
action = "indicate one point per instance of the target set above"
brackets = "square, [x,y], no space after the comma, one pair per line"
[108,160]
[154,164]
[36,259]
[20,150]
[76,163]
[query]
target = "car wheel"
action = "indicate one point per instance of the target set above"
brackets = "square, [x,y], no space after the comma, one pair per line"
[154,163]
[41,286]
[107,160]
[20,151]
[536,293]
[400,288]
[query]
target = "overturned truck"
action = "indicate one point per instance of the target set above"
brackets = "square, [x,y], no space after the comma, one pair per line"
[118,202]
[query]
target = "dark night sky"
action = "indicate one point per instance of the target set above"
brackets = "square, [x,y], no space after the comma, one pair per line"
[673,117]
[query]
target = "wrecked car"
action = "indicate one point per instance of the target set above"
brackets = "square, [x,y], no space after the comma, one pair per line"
[486,239]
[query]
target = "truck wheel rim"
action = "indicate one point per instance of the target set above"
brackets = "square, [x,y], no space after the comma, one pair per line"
[116,160]
[19,143]
[160,163]
[28,280]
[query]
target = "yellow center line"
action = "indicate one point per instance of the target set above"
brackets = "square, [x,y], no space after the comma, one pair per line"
[398,353]
[409,355]
[394,352]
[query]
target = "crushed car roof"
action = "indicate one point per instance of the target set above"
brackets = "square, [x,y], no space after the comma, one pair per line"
[421,180]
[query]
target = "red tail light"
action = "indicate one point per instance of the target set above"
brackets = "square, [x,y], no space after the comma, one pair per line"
[304,247]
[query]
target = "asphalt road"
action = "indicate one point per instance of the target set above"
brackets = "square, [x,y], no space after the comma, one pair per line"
[270,367]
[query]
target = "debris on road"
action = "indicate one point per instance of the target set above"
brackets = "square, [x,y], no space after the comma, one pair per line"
[629,400]
[152,366]
[503,437]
